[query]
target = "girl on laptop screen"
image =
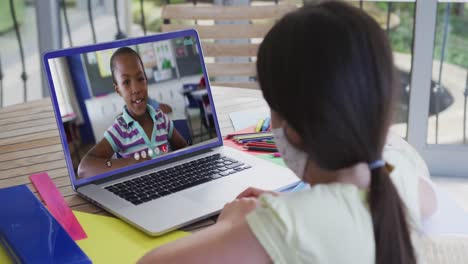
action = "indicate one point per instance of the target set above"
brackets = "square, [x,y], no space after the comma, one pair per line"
[140,132]
[327,73]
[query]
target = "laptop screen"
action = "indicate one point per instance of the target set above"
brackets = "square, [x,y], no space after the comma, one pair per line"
[131,103]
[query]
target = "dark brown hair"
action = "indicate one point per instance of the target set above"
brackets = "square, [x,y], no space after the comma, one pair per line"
[328,70]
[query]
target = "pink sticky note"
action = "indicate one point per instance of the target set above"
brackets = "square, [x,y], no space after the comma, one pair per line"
[57,205]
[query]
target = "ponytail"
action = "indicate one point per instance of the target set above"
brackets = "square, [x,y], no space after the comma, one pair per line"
[391,229]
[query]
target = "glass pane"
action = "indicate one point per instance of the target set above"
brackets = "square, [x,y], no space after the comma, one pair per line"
[12,88]
[397,19]
[447,111]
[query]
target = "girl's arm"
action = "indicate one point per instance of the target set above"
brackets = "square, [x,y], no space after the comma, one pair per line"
[177,141]
[230,240]
[95,161]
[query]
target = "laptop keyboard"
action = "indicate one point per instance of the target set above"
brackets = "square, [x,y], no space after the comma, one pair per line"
[154,185]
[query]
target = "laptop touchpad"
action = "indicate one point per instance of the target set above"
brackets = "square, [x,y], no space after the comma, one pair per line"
[215,193]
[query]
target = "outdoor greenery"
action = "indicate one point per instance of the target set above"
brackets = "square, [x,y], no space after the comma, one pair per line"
[6,22]
[152,12]
[457,41]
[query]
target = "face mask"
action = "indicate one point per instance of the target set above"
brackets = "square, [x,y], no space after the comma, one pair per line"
[294,158]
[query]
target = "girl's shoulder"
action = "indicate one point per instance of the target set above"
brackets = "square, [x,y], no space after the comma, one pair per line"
[332,199]
[310,226]
[327,206]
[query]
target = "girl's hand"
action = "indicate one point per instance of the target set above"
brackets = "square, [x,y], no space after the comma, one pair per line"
[235,211]
[252,192]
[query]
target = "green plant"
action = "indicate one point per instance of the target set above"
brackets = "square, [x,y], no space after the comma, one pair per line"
[6,22]
[401,37]
[456,51]
[152,12]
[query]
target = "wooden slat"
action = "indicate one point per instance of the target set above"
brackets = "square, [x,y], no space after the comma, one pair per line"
[23,138]
[31,160]
[66,191]
[239,102]
[198,226]
[244,106]
[53,173]
[231,69]
[28,105]
[28,145]
[33,123]
[27,118]
[87,208]
[229,50]
[29,152]
[224,31]
[225,12]
[28,130]
[24,179]
[247,85]
[229,94]
[104,213]
[32,169]
[75,200]
[26,112]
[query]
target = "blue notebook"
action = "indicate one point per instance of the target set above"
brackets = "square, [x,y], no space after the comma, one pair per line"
[31,234]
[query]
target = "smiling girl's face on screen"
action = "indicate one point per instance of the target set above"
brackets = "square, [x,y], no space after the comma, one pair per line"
[131,83]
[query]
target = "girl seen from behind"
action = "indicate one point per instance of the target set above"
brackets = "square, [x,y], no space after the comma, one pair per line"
[327,74]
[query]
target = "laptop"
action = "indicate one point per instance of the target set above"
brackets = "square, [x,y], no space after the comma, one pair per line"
[158,180]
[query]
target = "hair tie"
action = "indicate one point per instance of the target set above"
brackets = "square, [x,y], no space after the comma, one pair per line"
[377,164]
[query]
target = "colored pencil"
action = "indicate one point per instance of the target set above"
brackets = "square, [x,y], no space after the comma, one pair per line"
[262,149]
[256,135]
[259,126]
[266,124]
[251,140]
[260,144]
